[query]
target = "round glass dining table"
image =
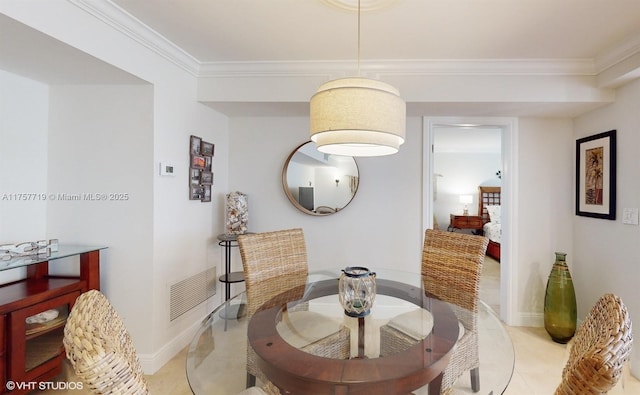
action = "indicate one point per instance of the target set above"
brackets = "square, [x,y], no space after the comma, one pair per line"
[217,357]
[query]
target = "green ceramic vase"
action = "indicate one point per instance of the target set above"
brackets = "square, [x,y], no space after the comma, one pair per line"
[560,311]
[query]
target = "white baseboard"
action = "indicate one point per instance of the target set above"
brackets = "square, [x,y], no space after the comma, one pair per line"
[529,319]
[151,363]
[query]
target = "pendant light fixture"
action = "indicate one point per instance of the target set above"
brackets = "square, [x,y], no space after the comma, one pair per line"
[357,116]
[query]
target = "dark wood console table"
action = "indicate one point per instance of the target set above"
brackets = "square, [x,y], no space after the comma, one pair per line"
[33,352]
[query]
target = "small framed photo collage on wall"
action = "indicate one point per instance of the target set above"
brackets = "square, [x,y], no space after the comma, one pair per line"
[200,171]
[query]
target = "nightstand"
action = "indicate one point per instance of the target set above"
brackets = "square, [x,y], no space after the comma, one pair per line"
[464,222]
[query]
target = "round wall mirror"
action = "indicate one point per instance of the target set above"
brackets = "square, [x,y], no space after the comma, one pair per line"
[318,183]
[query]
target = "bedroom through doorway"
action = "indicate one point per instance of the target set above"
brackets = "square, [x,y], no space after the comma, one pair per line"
[467,162]
[463,159]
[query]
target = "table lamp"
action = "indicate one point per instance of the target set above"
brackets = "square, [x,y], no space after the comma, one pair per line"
[466,199]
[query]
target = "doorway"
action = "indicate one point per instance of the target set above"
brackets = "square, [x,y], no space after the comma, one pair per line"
[507,129]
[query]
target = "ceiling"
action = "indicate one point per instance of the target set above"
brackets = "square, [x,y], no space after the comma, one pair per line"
[250,36]
[304,30]
[37,56]
[425,37]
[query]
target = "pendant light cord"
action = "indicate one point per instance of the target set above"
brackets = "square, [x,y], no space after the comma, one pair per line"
[358,38]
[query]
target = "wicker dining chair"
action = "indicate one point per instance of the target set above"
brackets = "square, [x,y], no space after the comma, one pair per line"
[451,268]
[275,263]
[100,349]
[601,346]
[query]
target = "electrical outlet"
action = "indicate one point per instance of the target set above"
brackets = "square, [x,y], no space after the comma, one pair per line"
[630,216]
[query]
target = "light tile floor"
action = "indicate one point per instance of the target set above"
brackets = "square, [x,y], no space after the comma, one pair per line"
[539,360]
[538,365]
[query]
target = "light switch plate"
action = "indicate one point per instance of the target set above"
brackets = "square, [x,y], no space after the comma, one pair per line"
[630,216]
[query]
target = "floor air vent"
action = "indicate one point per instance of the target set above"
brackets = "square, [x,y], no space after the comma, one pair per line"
[190,292]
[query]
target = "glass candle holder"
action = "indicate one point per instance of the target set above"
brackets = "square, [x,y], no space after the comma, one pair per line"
[357,290]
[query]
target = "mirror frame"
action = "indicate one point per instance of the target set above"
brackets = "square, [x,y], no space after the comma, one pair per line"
[294,201]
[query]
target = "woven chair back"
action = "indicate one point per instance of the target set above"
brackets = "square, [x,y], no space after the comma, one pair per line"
[273,263]
[451,268]
[100,349]
[601,346]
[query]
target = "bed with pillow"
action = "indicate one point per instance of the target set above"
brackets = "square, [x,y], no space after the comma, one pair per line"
[489,210]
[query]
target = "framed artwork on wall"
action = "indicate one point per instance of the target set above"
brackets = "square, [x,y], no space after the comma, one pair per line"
[596,176]
[198,162]
[194,145]
[196,192]
[206,178]
[195,176]
[206,193]
[200,169]
[206,149]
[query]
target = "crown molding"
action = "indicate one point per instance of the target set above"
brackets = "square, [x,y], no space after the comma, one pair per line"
[617,54]
[122,21]
[365,5]
[400,67]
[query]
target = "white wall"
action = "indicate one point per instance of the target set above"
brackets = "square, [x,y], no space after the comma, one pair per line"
[176,236]
[606,252]
[381,227]
[544,218]
[24,108]
[23,158]
[101,142]
[184,231]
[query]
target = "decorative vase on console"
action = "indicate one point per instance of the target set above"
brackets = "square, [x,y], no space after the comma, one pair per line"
[560,311]
[236,213]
